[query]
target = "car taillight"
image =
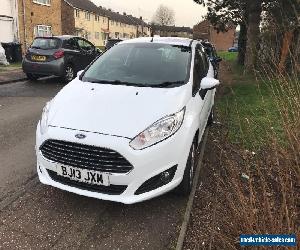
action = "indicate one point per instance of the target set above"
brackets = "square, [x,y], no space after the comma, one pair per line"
[58,54]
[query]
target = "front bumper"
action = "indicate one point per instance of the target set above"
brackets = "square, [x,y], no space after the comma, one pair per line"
[146,163]
[55,67]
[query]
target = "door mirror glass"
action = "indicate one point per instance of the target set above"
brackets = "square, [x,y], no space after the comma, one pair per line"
[218,59]
[209,83]
[79,73]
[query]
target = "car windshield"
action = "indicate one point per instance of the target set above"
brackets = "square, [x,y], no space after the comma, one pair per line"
[46,43]
[142,64]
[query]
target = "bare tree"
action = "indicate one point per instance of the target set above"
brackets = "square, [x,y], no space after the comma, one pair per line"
[164,16]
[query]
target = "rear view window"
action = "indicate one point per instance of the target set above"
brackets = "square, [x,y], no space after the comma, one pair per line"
[46,43]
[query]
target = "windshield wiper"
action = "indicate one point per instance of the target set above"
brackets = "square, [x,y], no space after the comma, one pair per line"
[169,84]
[115,82]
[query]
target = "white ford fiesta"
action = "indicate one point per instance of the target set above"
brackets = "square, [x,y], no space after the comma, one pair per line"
[127,128]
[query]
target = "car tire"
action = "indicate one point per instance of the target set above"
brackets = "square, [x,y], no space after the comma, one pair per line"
[185,187]
[210,119]
[32,77]
[69,74]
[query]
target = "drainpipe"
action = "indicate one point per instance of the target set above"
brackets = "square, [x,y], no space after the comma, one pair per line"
[16,21]
[24,24]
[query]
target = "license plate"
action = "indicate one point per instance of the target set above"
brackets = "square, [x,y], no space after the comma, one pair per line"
[38,58]
[83,175]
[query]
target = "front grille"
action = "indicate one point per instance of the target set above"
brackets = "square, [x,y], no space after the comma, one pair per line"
[85,156]
[111,189]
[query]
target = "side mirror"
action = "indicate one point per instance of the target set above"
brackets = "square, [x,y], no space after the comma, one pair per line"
[218,59]
[99,51]
[209,83]
[79,73]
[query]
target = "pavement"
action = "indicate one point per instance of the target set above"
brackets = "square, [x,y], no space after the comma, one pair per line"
[11,74]
[35,216]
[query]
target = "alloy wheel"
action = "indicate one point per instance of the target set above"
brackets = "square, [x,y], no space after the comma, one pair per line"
[69,73]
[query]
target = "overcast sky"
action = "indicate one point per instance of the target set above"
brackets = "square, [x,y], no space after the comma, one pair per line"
[187,13]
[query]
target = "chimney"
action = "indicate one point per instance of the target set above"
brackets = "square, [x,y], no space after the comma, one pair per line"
[141,17]
[124,13]
[109,9]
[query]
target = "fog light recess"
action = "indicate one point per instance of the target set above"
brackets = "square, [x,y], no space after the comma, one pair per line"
[157,181]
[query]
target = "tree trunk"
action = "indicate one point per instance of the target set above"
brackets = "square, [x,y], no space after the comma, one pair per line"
[242,43]
[253,33]
[287,40]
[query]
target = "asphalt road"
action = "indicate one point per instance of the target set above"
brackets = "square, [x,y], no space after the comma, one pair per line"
[42,217]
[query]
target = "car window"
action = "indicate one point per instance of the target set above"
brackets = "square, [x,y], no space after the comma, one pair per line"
[111,43]
[85,45]
[143,64]
[205,63]
[71,44]
[46,43]
[199,70]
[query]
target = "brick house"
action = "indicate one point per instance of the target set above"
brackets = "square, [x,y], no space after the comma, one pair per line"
[222,40]
[44,18]
[75,17]
[98,24]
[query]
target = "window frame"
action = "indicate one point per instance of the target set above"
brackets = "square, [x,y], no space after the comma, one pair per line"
[197,78]
[77,13]
[39,27]
[40,2]
[87,16]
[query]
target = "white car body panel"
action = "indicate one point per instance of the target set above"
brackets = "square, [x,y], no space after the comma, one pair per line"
[130,108]
[110,116]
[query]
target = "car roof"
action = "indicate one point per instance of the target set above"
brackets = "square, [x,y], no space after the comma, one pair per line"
[63,37]
[114,39]
[167,40]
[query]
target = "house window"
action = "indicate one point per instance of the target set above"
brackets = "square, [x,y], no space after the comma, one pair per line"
[77,33]
[117,35]
[97,18]
[104,21]
[43,2]
[103,36]
[112,22]
[117,24]
[42,30]
[97,35]
[87,16]
[77,13]
[88,36]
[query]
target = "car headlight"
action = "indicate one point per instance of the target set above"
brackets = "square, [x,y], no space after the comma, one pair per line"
[158,131]
[44,119]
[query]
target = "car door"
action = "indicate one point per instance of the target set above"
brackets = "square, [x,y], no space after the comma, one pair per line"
[88,51]
[73,53]
[201,70]
[207,94]
[198,104]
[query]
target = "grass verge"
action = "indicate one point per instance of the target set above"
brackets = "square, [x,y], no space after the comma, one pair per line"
[251,175]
